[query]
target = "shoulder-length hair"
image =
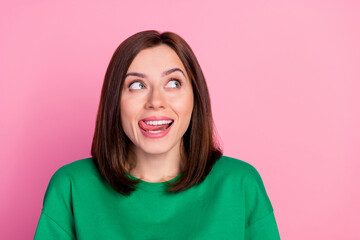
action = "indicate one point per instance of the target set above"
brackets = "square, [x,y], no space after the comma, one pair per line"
[110,146]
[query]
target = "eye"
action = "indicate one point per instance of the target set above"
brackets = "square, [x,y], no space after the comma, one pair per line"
[173,83]
[136,85]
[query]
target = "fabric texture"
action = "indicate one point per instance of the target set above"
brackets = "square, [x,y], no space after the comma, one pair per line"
[231,203]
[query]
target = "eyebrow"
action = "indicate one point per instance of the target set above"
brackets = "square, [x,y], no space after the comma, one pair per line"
[135,74]
[165,73]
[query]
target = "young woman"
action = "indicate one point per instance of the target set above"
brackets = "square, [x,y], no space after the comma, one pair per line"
[156,171]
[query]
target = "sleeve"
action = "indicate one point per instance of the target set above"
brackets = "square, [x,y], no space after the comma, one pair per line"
[260,218]
[56,219]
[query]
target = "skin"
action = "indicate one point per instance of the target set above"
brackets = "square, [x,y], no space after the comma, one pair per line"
[148,91]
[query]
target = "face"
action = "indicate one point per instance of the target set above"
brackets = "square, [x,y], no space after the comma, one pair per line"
[156,101]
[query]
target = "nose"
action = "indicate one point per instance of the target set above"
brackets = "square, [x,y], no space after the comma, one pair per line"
[156,100]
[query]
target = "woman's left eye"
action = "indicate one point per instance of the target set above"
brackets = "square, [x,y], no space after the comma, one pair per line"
[173,84]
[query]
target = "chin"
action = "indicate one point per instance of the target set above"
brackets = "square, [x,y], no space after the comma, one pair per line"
[156,149]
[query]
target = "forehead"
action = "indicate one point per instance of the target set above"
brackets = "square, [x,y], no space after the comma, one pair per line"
[158,58]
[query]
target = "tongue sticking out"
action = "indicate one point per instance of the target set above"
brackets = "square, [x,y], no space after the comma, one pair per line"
[148,127]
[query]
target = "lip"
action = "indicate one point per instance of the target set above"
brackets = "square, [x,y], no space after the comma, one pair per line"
[156,135]
[156,118]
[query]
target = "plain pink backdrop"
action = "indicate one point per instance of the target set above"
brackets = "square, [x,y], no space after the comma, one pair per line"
[284,80]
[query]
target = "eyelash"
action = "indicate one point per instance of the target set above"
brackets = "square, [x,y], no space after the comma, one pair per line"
[175,79]
[135,82]
[171,79]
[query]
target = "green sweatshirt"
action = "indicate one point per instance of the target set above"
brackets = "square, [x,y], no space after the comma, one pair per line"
[231,203]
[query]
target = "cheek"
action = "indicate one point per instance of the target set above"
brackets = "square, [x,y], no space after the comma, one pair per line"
[127,113]
[184,106]
[189,103]
[131,109]
[128,116]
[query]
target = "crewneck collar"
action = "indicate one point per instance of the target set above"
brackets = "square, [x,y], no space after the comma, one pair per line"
[153,186]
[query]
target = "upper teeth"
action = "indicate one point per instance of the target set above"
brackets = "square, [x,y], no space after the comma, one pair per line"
[162,122]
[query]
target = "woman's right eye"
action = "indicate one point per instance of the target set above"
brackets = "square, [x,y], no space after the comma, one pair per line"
[137,85]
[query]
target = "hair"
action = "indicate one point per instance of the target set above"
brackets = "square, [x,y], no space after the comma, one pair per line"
[110,146]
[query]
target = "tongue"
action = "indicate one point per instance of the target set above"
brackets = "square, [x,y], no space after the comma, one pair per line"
[147,127]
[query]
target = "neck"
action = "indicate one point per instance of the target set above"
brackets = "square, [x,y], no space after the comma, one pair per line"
[156,167]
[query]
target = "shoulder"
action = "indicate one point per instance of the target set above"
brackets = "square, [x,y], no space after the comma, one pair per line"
[235,173]
[79,169]
[82,164]
[232,166]
[247,178]
[239,172]
[69,178]
[65,184]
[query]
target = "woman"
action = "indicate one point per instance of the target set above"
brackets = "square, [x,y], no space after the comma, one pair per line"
[156,171]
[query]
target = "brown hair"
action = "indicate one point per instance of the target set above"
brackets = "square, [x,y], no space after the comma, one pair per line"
[110,144]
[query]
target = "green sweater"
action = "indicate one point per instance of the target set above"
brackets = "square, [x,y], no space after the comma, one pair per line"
[231,203]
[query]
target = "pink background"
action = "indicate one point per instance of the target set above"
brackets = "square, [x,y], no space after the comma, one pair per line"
[283,78]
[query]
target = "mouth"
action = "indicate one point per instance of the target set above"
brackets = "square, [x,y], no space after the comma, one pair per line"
[155,126]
